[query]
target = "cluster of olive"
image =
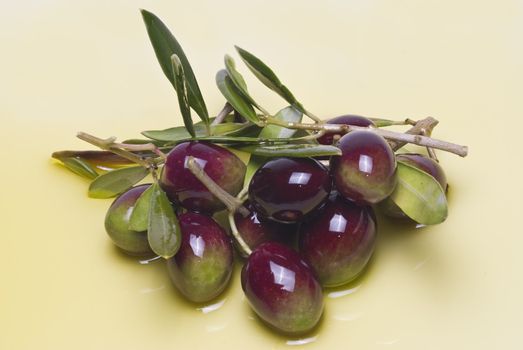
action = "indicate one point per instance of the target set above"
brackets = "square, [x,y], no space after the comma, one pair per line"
[328,207]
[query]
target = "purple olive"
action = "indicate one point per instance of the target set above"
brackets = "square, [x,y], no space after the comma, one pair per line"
[349,119]
[338,242]
[366,170]
[223,166]
[117,223]
[202,267]
[287,189]
[282,289]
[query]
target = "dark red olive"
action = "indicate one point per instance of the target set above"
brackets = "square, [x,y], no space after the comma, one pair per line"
[202,267]
[338,242]
[282,289]
[287,189]
[182,187]
[366,170]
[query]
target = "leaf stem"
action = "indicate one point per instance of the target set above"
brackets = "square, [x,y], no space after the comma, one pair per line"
[244,248]
[233,204]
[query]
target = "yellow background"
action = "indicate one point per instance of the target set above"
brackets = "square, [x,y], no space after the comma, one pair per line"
[70,65]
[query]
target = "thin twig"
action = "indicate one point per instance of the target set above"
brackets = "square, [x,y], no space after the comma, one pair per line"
[390,135]
[223,114]
[109,145]
[427,124]
[244,248]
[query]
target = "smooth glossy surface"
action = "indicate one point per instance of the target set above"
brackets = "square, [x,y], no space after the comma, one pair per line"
[202,267]
[365,172]
[87,65]
[281,289]
[221,165]
[255,231]
[349,119]
[287,189]
[338,242]
[117,223]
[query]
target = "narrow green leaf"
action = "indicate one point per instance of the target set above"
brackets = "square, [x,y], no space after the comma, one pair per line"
[165,45]
[80,167]
[234,97]
[181,91]
[94,158]
[163,229]
[116,181]
[139,220]
[266,75]
[419,195]
[238,80]
[292,150]
[180,133]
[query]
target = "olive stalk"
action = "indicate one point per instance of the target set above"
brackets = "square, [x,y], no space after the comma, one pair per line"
[233,204]
[223,114]
[387,134]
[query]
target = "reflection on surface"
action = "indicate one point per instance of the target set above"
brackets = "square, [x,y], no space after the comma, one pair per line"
[148,261]
[197,245]
[199,161]
[301,341]
[365,164]
[299,178]
[338,223]
[213,307]
[342,293]
[283,276]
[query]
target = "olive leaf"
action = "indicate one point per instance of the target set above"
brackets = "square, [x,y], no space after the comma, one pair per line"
[234,97]
[80,167]
[139,220]
[238,80]
[165,45]
[116,181]
[419,195]
[163,229]
[181,91]
[180,133]
[292,150]
[288,114]
[267,76]
[94,158]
